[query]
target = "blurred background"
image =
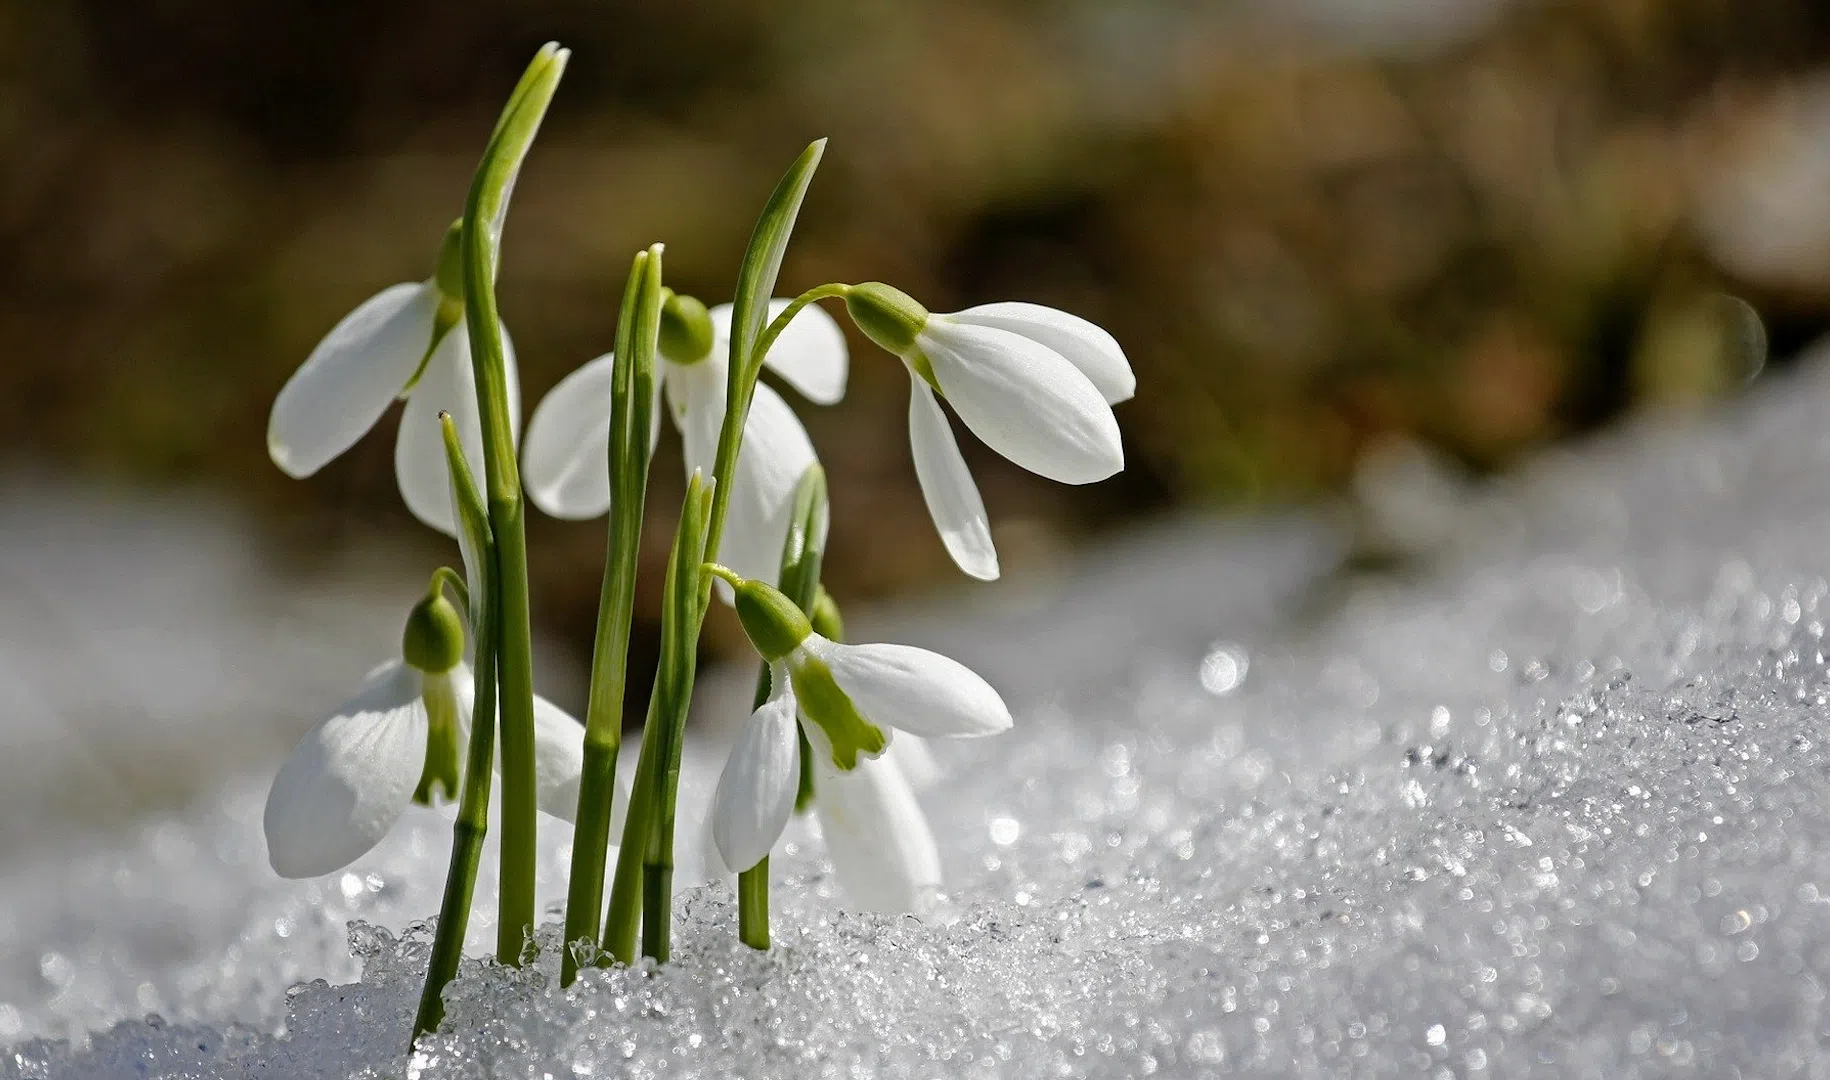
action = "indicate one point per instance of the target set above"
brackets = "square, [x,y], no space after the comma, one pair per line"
[1321,229]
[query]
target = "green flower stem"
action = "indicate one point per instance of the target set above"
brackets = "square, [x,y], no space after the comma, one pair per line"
[624,916]
[481,251]
[473,806]
[802,553]
[446,578]
[766,340]
[642,891]
[650,824]
[753,906]
[632,403]
[674,688]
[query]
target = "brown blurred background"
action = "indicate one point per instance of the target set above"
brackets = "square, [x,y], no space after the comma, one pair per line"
[1314,224]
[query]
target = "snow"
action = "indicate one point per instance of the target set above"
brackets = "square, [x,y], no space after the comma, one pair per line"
[1550,799]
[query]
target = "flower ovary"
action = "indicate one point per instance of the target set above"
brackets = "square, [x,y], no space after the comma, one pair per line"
[772,621]
[433,640]
[887,315]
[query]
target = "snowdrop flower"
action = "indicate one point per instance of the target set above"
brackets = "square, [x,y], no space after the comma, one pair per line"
[402,739]
[850,700]
[407,341]
[1035,384]
[566,458]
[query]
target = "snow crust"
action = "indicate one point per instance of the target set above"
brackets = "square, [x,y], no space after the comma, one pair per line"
[1553,800]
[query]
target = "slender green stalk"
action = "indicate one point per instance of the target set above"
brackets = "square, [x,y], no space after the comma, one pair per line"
[753,906]
[651,819]
[641,891]
[448,578]
[480,250]
[625,912]
[766,340]
[638,872]
[632,402]
[802,553]
[674,688]
[473,805]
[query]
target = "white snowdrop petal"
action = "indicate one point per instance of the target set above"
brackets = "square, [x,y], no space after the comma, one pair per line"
[348,779]
[810,354]
[776,452]
[915,758]
[1084,344]
[913,689]
[351,378]
[559,761]
[447,385]
[755,795]
[882,851]
[464,691]
[1024,400]
[709,866]
[566,461]
[695,399]
[947,486]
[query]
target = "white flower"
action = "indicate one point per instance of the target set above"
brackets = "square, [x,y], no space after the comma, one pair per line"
[402,739]
[882,851]
[565,461]
[407,341]
[1035,384]
[850,700]
[915,760]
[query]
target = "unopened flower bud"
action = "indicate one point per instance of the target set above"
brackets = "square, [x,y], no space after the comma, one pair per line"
[686,329]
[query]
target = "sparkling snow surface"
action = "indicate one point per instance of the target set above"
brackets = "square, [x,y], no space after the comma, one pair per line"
[1555,801]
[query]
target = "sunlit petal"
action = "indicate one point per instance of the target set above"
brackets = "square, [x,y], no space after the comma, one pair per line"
[913,689]
[755,795]
[447,385]
[810,354]
[559,762]
[947,486]
[915,758]
[1024,400]
[349,778]
[882,850]
[351,378]
[1084,344]
[775,454]
[566,462]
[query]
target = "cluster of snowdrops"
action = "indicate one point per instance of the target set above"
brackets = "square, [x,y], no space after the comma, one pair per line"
[836,725]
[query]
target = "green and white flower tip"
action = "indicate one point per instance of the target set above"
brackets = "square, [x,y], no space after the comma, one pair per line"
[408,341]
[1035,384]
[400,740]
[850,700]
[565,459]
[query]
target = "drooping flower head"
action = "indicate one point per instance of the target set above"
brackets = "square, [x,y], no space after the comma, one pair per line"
[400,740]
[850,700]
[405,342]
[566,458]
[1035,384]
